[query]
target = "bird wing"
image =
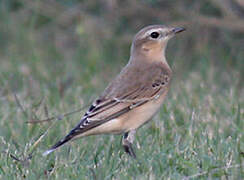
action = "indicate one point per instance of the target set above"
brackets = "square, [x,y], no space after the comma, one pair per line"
[125,93]
[128,91]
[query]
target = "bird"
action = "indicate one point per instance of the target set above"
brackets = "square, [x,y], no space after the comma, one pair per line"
[135,95]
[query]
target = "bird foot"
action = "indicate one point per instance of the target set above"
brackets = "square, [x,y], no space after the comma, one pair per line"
[127,141]
[128,148]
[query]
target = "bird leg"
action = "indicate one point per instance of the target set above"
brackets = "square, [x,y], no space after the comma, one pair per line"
[127,141]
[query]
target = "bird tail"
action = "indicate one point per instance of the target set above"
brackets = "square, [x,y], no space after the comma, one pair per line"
[83,127]
[72,134]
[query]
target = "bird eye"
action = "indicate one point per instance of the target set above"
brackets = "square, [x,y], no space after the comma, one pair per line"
[154,35]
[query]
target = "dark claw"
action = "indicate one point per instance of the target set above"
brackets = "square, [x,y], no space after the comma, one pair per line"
[128,149]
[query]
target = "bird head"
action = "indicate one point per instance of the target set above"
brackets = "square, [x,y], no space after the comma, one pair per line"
[152,40]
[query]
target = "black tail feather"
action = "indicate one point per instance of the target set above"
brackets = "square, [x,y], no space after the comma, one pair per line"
[67,138]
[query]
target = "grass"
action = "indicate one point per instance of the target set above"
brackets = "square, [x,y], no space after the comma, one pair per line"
[198,133]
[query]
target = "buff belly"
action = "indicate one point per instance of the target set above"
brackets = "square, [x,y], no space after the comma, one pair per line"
[129,121]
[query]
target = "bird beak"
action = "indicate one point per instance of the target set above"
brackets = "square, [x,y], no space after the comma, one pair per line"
[178,30]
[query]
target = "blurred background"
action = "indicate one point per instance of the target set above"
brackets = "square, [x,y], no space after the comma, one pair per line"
[75,39]
[58,55]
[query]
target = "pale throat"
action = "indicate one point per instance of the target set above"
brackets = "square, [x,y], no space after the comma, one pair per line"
[152,53]
[156,54]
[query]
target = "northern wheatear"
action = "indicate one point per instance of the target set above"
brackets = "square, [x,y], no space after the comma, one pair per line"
[135,95]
